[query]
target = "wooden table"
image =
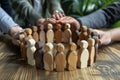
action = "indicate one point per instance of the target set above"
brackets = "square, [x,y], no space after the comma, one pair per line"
[107,66]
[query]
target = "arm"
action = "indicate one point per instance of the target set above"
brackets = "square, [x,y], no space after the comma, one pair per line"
[25,10]
[103,17]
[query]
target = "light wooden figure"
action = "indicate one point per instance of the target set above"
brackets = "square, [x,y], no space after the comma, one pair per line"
[48,57]
[35,33]
[50,34]
[91,49]
[83,55]
[60,59]
[58,34]
[42,34]
[29,33]
[72,57]
[38,55]
[67,34]
[30,51]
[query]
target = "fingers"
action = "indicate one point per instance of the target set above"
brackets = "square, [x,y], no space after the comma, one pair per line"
[57,16]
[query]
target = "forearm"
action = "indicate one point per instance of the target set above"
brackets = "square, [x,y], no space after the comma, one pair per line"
[25,10]
[115,34]
[6,22]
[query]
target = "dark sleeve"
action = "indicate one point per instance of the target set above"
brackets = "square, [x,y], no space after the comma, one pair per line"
[5,4]
[103,17]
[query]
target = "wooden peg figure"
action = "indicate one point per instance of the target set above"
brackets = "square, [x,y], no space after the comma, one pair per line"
[60,59]
[83,34]
[29,33]
[95,37]
[58,34]
[23,46]
[38,55]
[50,34]
[35,33]
[91,50]
[30,51]
[48,57]
[42,34]
[83,55]
[67,34]
[72,57]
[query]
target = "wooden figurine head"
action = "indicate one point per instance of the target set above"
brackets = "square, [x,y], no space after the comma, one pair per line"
[73,46]
[48,47]
[67,26]
[30,42]
[42,27]
[50,26]
[91,42]
[39,45]
[58,26]
[84,28]
[35,28]
[21,37]
[28,31]
[83,44]
[60,47]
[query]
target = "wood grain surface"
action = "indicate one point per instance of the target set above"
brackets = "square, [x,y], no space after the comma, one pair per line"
[107,66]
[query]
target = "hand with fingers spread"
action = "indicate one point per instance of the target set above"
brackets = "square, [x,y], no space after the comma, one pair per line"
[57,15]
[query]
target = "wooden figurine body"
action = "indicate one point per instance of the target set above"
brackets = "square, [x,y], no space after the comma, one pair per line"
[95,37]
[50,34]
[48,57]
[91,50]
[60,59]
[29,33]
[35,34]
[58,34]
[42,34]
[38,55]
[67,34]
[72,57]
[30,51]
[83,55]
[23,46]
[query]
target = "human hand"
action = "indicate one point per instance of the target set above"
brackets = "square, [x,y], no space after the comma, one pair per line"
[70,20]
[104,37]
[14,33]
[57,15]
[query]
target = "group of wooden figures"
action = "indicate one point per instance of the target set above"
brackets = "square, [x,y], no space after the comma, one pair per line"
[46,49]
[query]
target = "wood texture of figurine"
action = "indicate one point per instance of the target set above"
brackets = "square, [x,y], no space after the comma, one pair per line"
[58,34]
[67,34]
[42,34]
[72,57]
[60,59]
[29,33]
[48,57]
[95,37]
[91,50]
[35,33]
[23,46]
[30,51]
[38,55]
[83,55]
[50,34]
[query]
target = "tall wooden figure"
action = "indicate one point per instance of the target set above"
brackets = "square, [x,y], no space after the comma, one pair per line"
[83,55]
[50,34]
[91,50]
[72,57]
[60,59]
[42,34]
[48,57]
[38,55]
[58,34]
[67,34]
[35,33]
[30,51]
